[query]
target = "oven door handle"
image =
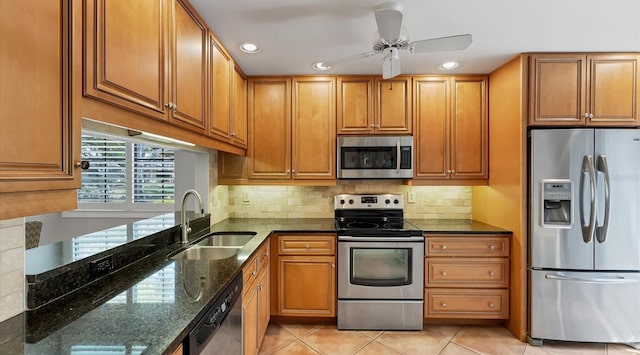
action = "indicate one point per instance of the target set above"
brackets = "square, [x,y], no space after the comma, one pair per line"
[348,238]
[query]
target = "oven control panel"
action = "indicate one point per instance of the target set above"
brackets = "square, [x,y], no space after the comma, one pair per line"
[362,201]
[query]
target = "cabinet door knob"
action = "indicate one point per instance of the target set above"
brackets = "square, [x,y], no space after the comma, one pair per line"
[443,304]
[491,273]
[443,247]
[444,273]
[491,305]
[492,247]
[333,266]
[306,246]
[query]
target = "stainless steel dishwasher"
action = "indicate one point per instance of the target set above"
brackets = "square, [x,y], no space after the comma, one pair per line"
[220,330]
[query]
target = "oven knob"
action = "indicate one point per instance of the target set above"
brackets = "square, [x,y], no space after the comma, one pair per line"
[351,202]
[396,201]
[387,201]
[342,202]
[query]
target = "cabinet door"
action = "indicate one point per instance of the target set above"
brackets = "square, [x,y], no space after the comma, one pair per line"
[125,54]
[40,118]
[249,321]
[314,131]
[557,85]
[613,90]
[188,67]
[239,108]
[355,105]
[469,128]
[264,312]
[269,128]
[306,286]
[431,110]
[393,105]
[219,86]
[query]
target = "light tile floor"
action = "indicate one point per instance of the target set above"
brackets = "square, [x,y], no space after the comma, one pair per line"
[433,339]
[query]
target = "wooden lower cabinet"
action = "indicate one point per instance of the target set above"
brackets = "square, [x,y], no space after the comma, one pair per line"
[255,300]
[178,351]
[466,276]
[304,275]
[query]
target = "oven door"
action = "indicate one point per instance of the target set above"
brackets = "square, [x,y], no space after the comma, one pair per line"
[380,268]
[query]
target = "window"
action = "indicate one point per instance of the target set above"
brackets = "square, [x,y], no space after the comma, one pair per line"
[126,175]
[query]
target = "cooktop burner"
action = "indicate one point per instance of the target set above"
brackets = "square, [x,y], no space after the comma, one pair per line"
[372,215]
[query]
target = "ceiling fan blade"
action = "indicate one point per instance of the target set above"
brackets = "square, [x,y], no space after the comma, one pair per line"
[389,21]
[451,43]
[390,63]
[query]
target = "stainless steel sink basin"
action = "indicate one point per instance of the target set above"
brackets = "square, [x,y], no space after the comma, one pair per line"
[198,252]
[227,239]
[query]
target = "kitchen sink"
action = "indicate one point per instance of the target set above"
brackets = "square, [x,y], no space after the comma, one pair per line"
[227,239]
[215,246]
[198,252]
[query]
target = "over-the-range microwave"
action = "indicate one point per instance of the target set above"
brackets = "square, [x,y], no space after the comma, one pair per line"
[375,157]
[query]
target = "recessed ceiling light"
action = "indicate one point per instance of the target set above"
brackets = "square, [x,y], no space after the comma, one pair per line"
[249,48]
[321,66]
[448,65]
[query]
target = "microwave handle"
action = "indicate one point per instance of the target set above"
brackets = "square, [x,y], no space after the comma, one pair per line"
[398,157]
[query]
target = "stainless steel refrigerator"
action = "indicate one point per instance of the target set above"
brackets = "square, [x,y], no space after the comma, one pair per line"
[584,235]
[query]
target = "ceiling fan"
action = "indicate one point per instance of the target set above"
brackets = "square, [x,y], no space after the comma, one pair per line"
[391,39]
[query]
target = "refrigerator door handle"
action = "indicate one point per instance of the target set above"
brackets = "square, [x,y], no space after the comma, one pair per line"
[588,229]
[600,280]
[601,167]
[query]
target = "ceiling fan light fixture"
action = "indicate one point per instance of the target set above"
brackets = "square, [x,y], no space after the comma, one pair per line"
[249,48]
[321,66]
[448,65]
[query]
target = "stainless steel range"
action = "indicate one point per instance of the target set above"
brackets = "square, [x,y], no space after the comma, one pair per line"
[380,264]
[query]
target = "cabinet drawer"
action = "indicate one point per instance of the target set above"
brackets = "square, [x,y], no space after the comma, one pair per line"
[462,303]
[307,245]
[479,245]
[467,272]
[257,262]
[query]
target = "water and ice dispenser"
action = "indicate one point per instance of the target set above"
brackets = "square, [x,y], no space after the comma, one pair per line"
[557,203]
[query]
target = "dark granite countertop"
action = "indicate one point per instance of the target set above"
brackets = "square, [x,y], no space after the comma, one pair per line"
[148,307]
[453,226]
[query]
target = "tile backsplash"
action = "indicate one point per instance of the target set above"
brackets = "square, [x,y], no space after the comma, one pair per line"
[438,202]
[12,244]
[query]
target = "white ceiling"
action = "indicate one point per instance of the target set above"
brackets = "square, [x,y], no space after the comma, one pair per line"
[293,34]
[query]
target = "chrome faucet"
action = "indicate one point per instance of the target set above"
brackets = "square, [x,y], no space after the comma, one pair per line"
[184,221]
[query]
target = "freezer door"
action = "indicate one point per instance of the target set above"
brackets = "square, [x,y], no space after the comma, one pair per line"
[560,154]
[585,306]
[617,156]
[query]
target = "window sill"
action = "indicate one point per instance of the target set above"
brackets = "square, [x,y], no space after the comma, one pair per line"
[111,213]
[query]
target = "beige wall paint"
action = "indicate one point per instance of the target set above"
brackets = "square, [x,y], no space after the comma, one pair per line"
[11,267]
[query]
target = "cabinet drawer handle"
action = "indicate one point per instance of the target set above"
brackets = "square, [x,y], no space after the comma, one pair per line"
[306,246]
[492,247]
[491,273]
[443,304]
[444,273]
[491,305]
[443,247]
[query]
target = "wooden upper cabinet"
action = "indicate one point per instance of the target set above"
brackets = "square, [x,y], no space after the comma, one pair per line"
[451,127]
[220,75]
[469,128]
[40,118]
[432,137]
[149,57]
[313,134]
[355,105]
[239,108]
[393,105]
[578,89]
[269,109]
[188,67]
[125,50]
